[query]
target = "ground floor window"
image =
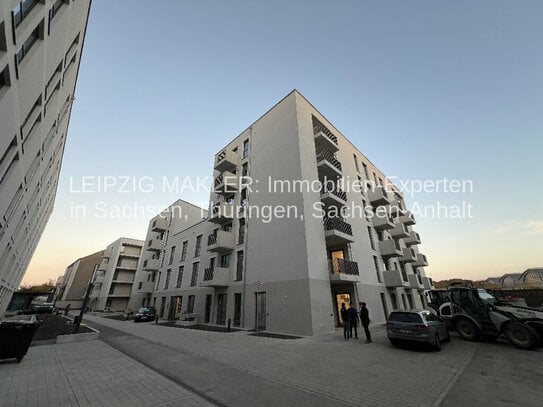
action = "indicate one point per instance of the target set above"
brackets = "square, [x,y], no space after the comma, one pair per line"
[237,309]
[190,305]
[207,316]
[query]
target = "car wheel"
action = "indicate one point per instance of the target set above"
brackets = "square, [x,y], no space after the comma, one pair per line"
[437,343]
[521,335]
[467,329]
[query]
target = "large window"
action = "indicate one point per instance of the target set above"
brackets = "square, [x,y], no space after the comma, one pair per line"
[194,277]
[54,10]
[246,148]
[239,268]
[179,276]
[172,253]
[190,305]
[237,309]
[224,261]
[184,251]
[241,235]
[167,282]
[198,246]
[21,10]
[377,270]
[27,45]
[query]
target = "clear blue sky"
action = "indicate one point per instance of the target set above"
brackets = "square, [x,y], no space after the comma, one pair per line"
[426,89]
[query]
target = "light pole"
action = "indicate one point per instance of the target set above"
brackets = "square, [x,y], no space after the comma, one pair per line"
[78,319]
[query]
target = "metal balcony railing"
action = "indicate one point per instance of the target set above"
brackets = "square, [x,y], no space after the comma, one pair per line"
[343,266]
[318,127]
[336,191]
[337,224]
[328,156]
[212,239]
[208,273]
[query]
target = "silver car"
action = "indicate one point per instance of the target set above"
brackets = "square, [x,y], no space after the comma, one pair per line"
[416,326]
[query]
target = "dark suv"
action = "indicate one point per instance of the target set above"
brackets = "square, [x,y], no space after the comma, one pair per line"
[416,326]
[145,314]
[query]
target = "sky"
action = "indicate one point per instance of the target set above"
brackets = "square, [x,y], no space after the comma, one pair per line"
[427,90]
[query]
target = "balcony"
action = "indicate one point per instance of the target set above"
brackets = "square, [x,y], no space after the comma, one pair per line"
[226,183]
[226,161]
[414,238]
[99,279]
[221,242]
[415,281]
[151,264]
[408,256]
[378,196]
[420,261]
[407,219]
[160,224]
[222,212]
[382,222]
[146,287]
[123,281]
[337,231]
[154,245]
[427,283]
[394,209]
[325,140]
[394,278]
[343,270]
[216,277]
[328,165]
[400,231]
[390,248]
[335,197]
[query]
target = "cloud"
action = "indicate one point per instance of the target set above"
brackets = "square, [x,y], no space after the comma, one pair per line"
[515,227]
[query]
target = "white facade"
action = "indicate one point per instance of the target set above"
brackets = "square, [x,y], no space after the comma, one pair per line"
[40,49]
[114,277]
[287,274]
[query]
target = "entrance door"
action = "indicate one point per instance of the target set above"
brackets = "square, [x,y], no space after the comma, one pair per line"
[343,298]
[221,309]
[337,264]
[260,311]
[177,302]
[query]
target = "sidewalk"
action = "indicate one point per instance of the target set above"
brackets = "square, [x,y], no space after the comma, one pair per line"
[86,374]
[321,370]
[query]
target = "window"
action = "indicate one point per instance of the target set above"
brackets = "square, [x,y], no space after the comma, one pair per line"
[140,284]
[179,277]
[356,163]
[365,167]
[27,45]
[54,11]
[361,185]
[370,234]
[237,309]
[3,42]
[239,268]
[194,277]
[167,282]
[246,148]
[158,280]
[4,77]
[198,246]
[365,208]
[244,170]
[172,253]
[190,305]
[224,261]
[241,233]
[21,10]
[184,251]
[243,196]
[377,271]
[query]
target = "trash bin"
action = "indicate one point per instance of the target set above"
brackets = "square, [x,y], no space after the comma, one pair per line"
[15,338]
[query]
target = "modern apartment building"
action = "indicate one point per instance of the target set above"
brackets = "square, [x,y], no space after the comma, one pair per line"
[114,277]
[75,281]
[289,236]
[40,50]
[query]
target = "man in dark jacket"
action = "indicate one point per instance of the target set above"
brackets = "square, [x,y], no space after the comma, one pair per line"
[365,320]
[345,319]
[353,320]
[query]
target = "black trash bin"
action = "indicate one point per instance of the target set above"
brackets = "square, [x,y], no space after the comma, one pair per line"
[15,338]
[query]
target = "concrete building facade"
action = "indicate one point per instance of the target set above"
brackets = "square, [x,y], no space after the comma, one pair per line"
[289,237]
[40,50]
[76,278]
[114,277]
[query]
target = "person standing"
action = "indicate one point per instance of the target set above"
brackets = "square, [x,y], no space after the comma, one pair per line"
[345,319]
[353,321]
[365,320]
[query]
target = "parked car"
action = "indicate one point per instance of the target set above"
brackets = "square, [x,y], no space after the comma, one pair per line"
[45,308]
[145,314]
[416,326]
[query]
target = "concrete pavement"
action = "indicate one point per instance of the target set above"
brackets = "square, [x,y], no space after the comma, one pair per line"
[87,374]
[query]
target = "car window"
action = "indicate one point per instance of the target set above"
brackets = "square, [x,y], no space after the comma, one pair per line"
[405,317]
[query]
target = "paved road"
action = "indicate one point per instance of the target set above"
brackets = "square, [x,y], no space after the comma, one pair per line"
[239,370]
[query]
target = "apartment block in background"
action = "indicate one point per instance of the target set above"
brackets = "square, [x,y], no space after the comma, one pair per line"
[75,281]
[114,278]
[40,50]
[287,273]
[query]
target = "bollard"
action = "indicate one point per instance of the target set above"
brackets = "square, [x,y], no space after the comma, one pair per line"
[229,323]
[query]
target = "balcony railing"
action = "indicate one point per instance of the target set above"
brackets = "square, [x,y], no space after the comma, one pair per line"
[215,277]
[414,238]
[226,161]
[208,273]
[151,264]
[227,183]
[324,155]
[343,266]
[324,139]
[338,224]
[338,192]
